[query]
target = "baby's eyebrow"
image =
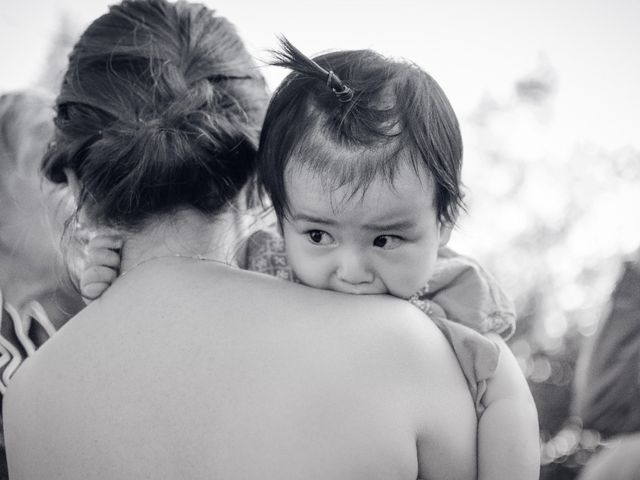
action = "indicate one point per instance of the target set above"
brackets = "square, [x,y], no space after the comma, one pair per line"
[304,217]
[398,225]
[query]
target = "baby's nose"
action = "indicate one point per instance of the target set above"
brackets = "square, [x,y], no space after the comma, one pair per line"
[353,269]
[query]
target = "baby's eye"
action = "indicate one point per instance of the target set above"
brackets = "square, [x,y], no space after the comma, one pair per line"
[319,237]
[387,242]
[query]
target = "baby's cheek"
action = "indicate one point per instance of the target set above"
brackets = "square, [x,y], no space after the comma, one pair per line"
[306,268]
[406,278]
[310,274]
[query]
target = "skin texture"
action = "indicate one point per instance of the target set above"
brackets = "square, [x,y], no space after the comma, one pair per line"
[384,239]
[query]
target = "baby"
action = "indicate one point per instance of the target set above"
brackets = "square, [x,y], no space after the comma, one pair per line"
[360,156]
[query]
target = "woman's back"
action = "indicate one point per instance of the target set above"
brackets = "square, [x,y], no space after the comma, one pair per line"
[188,369]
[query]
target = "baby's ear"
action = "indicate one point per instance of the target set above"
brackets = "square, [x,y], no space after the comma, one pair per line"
[445,233]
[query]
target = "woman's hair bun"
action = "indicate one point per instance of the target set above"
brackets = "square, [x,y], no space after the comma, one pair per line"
[160,108]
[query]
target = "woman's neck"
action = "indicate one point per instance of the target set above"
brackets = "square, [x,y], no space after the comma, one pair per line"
[185,233]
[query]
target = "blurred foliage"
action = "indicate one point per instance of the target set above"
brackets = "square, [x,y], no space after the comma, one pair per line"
[551,218]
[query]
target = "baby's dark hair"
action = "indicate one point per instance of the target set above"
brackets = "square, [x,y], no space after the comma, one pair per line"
[350,116]
[160,108]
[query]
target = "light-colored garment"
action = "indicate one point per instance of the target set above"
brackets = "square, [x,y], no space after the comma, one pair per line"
[461,298]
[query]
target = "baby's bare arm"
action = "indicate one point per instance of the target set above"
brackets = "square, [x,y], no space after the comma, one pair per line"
[102,266]
[508,438]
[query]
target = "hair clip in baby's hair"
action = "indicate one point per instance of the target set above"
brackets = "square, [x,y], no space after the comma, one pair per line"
[337,86]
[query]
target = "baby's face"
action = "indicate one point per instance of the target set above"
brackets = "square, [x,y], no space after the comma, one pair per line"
[383,241]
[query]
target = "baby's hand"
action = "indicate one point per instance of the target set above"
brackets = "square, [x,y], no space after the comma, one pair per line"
[101,267]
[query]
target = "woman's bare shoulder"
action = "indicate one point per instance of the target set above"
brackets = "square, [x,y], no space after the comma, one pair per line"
[377,352]
[401,334]
[392,322]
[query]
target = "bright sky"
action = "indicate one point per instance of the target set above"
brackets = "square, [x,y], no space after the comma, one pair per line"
[471,48]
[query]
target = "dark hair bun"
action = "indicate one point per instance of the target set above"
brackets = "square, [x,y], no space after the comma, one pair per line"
[160,108]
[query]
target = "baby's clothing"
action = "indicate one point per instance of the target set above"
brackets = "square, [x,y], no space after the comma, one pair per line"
[461,298]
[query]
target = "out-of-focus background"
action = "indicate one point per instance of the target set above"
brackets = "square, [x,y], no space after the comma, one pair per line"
[548,95]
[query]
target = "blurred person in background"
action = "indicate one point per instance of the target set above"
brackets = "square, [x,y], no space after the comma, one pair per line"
[33,211]
[35,295]
[32,216]
[607,384]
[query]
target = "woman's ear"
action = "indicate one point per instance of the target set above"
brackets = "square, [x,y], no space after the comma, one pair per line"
[445,233]
[74,184]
